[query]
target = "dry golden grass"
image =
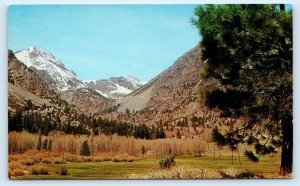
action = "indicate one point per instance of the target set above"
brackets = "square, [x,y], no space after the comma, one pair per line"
[39,169]
[18,172]
[15,165]
[86,158]
[123,158]
[46,160]
[13,158]
[58,160]
[27,162]
[15,169]
[71,158]
[183,172]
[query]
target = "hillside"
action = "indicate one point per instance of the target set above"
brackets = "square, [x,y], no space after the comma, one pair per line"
[30,97]
[25,84]
[115,87]
[171,100]
[61,80]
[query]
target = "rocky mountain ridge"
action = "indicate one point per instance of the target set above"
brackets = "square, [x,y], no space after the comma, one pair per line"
[115,87]
[62,80]
[49,68]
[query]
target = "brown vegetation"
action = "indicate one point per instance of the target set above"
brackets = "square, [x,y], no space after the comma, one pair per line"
[67,147]
[182,172]
[39,169]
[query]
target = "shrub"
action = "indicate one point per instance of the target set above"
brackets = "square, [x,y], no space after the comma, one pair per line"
[130,159]
[167,163]
[46,160]
[28,162]
[15,165]
[36,170]
[248,174]
[44,170]
[71,158]
[87,159]
[18,172]
[12,158]
[98,159]
[107,158]
[36,158]
[58,160]
[15,169]
[122,158]
[85,149]
[229,173]
[183,172]
[63,171]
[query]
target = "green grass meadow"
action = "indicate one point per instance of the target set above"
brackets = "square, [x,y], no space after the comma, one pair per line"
[268,166]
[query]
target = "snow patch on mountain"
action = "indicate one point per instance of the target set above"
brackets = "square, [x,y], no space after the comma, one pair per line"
[115,87]
[52,70]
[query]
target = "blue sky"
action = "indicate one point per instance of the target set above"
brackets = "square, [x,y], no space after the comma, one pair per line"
[101,41]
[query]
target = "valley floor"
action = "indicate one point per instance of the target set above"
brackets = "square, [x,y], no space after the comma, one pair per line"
[187,167]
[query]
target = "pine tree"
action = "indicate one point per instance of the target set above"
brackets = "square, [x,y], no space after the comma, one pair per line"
[85,149]
[248,49]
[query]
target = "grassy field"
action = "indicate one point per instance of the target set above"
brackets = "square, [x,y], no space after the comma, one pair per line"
[268,166]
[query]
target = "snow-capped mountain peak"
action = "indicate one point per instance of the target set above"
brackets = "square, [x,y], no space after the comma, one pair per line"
[52,70]
[115,87]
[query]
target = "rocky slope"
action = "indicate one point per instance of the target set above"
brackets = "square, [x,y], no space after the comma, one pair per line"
[171,100]
[86,100]
[170,89]
[25,84]
[29,94]
[115,87]
[50,69]
[62,80]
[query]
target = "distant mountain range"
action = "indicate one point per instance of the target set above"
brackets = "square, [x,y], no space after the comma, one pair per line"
[170,98]
[115,87]
[61,79]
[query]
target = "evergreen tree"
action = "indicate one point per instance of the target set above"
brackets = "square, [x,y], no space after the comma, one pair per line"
[160,133]
[85,148]
[248,49]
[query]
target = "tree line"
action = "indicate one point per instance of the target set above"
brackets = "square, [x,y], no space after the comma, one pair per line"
[35,122]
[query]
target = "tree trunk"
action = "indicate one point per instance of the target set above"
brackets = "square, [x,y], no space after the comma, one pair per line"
[282,7]
[287,148]
[214,153]
[239,157]
[232,157]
